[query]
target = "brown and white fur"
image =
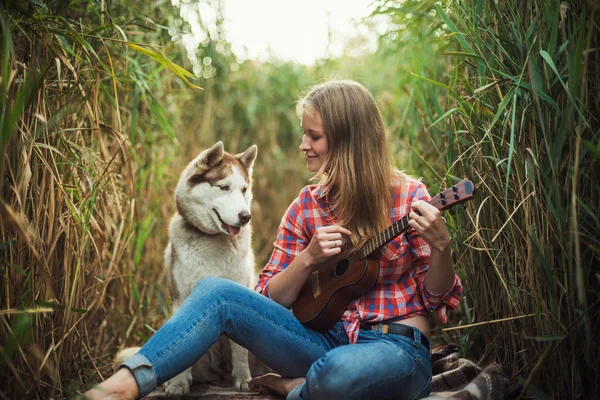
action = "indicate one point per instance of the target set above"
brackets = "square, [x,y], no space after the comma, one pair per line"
[210,236]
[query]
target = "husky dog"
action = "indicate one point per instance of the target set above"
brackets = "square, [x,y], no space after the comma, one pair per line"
[210,236]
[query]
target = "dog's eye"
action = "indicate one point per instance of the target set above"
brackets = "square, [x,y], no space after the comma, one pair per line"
[244,190]
[224,187]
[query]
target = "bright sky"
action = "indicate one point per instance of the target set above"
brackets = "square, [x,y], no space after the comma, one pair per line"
[293,30]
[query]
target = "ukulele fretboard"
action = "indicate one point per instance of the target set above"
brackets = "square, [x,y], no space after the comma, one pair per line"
[384,236]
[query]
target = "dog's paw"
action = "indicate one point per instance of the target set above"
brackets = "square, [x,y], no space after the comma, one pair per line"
[174,389]
[241,384]
[178,385]
[241,376]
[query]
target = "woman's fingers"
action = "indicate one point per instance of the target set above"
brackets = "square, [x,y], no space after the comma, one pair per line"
[326,242]
[424,213]
[333,243]
[427,221]
[415,225]
[331,236]
[422,207]
[332,251]
[335,229]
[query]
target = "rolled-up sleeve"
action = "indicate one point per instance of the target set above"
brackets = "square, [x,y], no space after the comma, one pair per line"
[290,242]
[420,253]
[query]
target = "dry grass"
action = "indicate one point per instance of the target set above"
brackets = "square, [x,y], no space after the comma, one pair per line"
[93,155]
[70,219]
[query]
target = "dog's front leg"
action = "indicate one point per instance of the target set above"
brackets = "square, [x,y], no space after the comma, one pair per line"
[240,370]
[179,385]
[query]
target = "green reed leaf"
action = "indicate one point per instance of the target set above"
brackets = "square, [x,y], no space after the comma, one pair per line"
[551,64]
[164,60]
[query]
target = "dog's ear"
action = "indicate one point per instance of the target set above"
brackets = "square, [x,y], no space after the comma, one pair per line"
[247,158]
[209,158]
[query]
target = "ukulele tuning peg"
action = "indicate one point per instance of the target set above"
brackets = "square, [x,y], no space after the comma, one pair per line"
[454,188]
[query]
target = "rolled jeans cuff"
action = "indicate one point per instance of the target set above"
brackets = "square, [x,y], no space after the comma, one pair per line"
[143,372]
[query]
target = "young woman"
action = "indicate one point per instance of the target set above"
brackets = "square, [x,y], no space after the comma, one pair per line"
[379,347]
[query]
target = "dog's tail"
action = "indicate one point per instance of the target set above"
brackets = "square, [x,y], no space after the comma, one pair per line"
[123,355]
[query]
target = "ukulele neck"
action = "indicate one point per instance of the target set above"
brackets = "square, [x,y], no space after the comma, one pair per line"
[383,237]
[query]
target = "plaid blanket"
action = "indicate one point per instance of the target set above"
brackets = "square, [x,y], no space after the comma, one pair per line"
[458,378]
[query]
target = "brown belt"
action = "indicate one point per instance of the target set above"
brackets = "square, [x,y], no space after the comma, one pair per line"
[399,329]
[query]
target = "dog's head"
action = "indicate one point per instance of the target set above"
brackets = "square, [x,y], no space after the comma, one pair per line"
[214,192]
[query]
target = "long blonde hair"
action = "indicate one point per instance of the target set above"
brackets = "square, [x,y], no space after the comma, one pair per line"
[357,175]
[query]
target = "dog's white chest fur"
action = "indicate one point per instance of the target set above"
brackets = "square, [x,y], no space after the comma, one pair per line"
[193,255]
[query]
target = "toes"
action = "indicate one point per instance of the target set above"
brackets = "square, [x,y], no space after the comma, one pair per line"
[265,376]
[268,382]
[257,384]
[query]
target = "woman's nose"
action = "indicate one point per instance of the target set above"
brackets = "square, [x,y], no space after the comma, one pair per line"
[304,146]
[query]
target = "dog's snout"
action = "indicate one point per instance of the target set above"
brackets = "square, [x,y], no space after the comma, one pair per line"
[244,217]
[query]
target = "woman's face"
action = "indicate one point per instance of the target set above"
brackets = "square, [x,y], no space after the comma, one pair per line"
[314,143]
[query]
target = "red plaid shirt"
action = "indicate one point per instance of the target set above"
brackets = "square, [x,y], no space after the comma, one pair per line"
[400,290]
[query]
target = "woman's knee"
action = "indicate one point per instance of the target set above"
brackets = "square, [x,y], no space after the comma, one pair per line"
[213,286]
[212,292]
[336,376]
[331,377]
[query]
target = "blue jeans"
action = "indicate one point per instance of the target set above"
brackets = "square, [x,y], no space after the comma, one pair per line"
[379,366]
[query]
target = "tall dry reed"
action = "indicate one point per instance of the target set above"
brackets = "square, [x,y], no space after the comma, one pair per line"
[78,100]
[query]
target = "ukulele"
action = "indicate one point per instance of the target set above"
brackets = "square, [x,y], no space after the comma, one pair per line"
[329,288]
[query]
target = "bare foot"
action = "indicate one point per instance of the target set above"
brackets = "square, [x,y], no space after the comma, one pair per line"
[120,386]
[276,383]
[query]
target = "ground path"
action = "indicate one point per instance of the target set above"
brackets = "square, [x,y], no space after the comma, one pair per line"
[215,391]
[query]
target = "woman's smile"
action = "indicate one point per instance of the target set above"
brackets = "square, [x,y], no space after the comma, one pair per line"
[314,142]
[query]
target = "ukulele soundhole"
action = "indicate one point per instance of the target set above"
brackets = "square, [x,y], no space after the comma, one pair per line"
[340,268]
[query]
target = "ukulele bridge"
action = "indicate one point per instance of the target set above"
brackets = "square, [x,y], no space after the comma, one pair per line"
[316,288]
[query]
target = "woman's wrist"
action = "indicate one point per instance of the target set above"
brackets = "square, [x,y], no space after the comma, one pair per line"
[442,246]
[302,264]
[440,274]
[441,254]
[304,260]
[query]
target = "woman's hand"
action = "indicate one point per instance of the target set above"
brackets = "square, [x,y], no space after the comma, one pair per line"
[429,224]
[324,246]
[326,242]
